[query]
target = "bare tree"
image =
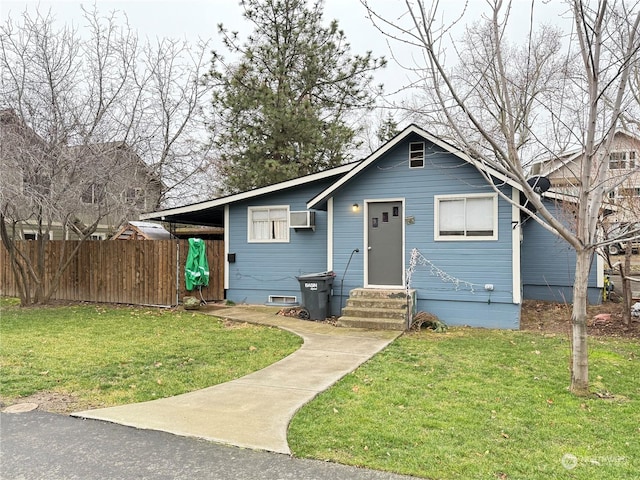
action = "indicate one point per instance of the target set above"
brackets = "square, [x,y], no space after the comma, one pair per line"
[95,128]
[507,105]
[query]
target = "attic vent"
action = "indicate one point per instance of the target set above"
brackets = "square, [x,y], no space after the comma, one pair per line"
[302,219]
[416,155]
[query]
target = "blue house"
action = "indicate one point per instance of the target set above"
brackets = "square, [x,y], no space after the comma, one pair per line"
[416,216]
[548,262]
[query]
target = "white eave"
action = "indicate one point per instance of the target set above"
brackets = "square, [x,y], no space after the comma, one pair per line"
[237,197]
[324,195]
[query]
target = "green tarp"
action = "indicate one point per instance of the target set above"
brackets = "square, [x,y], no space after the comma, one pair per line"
[196,270]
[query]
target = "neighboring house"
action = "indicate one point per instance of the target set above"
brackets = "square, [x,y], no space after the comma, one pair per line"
[25,159]
[132,183]
[416,214]
[622,165]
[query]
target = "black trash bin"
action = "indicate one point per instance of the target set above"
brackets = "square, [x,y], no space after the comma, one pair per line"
[316,294]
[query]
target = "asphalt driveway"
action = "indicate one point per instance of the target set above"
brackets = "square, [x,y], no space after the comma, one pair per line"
[46,446]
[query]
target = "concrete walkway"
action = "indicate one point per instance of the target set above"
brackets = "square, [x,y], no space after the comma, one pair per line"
[254,411]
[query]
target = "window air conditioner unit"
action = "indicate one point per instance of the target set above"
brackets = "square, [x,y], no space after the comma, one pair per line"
[302,219]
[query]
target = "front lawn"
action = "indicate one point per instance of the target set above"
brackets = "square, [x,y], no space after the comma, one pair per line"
[467,404]
[88,356]
[476,403]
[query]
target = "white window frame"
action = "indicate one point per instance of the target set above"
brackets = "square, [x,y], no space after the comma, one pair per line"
[465,197]
[411,151]
[250,231]
[628,160]
[26,231]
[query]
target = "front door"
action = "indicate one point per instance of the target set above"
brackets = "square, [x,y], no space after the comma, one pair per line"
[384,244]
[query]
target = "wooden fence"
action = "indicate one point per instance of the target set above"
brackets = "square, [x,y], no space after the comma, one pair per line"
[138,272]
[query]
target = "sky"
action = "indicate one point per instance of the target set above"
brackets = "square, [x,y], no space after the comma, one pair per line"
[194,19]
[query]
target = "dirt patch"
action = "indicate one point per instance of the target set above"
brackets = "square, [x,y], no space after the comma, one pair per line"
[604,320]
[49,402]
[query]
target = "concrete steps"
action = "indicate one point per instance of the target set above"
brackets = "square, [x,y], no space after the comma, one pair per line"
[378,309]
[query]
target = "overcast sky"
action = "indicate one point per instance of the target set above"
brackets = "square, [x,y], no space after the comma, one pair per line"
[193,19]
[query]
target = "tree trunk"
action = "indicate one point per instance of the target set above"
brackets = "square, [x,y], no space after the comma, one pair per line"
[579,352]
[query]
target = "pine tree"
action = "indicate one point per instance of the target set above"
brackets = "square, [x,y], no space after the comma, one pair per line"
[283,107]
[387,129]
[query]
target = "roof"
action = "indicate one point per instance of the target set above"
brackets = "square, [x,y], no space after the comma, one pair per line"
[210,212]
[324,195]
[142,231]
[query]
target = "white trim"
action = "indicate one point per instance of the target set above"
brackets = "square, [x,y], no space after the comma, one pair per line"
[599,270]
[365,220]
[391,144]
[219,202]
[330,234]
[226,247]
[516,231]
[455,238]
[424,156]
[252,208]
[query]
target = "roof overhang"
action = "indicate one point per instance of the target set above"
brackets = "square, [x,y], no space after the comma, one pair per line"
[608,208]
[211,212]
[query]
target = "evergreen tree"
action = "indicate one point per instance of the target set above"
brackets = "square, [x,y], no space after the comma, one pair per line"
[387,129]
[283,107]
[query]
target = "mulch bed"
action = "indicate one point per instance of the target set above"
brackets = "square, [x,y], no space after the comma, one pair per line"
[604,320]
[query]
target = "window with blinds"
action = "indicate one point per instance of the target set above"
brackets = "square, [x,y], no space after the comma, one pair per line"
[466,217]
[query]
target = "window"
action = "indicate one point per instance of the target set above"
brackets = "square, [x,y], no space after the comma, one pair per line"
[466,217]
[134,194]
[94,194]
[416,155]
[629,192]
[622,160]
[268,224]
[33,235]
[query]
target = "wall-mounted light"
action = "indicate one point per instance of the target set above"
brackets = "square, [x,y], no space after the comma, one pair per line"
[355,207]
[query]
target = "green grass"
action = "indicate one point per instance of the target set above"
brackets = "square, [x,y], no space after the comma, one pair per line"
[476,404]
[107,356]
[468,404]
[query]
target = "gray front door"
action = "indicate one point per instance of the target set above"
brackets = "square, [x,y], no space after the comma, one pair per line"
[385,248]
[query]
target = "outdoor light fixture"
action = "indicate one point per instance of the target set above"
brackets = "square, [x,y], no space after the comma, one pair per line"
[355,207]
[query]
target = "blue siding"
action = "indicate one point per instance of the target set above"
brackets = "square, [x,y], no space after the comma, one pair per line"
[263,269]
[475,262]
[548,265]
